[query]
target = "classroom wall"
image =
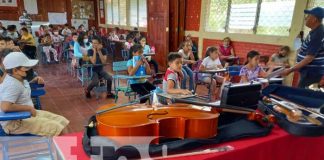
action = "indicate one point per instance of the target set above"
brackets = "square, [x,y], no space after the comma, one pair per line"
[242,43]
[43,6]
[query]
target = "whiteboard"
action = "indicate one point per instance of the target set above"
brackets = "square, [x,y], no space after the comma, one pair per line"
[31,6]
[57,18]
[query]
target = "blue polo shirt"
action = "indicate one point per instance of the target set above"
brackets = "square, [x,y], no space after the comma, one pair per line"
[313,45]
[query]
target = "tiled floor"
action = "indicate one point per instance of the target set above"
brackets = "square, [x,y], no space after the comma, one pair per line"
[64,96]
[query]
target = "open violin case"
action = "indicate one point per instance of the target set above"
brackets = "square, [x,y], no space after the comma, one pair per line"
[302,97]
[231,126]
[241,128]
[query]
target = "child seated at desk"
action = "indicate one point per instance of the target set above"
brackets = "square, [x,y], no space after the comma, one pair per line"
[252,71]
[188,58]
[98,56]
[47,48]
[146,51]
[57,43]
[281,58]
[171,81]
[129,42]
[138,66]
[227,52]
[211,62]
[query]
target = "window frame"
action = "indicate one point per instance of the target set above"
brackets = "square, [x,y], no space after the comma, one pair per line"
[256,23]
[128,24]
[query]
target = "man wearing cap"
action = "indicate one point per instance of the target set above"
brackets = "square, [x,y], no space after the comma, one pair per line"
[15,96]
[310,57]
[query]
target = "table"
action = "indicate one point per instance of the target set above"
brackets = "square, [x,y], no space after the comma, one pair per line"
[278,145]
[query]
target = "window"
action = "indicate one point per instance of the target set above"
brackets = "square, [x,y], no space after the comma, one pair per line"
[216,17]
[275,17]
[266,17]
[133,13]
[315,3]
[138,13]
[116,12]
[109,14]
[242,16]
[142,13]
[122,12]
[127,12]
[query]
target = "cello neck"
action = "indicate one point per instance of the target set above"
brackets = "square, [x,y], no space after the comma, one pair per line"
[136,101]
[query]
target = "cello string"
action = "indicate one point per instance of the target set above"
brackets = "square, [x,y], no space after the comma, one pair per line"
[136,101]
[176,100]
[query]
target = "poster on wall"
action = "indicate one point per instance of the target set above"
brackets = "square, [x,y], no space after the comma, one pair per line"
[77,22]
[31,6]
[83,9]
[8,3]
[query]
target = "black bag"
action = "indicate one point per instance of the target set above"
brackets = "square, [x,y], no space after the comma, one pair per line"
[242,95]
[304,97]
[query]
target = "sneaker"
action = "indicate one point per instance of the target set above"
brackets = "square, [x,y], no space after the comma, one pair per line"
[87,93]
[110,95]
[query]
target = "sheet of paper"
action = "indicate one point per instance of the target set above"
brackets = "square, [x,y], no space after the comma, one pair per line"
[57,18]
[31,6]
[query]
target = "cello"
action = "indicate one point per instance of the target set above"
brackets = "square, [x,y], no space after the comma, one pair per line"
[178,120]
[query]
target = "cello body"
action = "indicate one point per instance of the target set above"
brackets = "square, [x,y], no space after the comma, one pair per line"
[173,121]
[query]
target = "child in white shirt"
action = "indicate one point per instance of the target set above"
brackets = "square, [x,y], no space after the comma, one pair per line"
[211,62]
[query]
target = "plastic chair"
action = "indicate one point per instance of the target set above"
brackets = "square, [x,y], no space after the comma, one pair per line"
[125,54]
[112,49]
[37,90]
[68,54]
[119,67]
[234,73]
[197,78]
[14,141]
[85,73]
[41,55]
[100,88]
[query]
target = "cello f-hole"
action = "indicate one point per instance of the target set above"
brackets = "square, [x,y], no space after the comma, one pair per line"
[150,116]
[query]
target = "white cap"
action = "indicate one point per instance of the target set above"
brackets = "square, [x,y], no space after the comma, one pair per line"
[18,59]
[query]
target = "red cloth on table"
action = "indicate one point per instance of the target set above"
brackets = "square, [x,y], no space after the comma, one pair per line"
[278,145]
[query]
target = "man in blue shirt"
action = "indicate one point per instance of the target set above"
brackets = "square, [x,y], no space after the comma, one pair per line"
[310,57]
[98,57]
